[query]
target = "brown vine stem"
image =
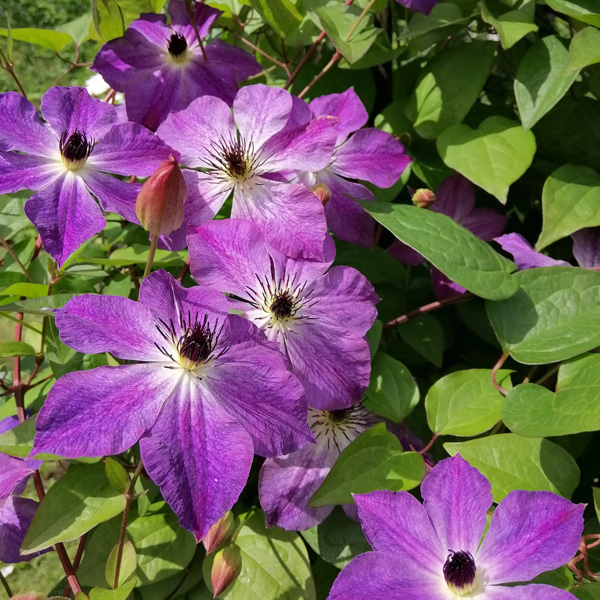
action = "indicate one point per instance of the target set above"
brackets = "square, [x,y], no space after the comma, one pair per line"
[192,17]
[427,308]
[77,559]
[8,66]
[6,586]
[263,53]
[16,259]
[304,60]
[495,370]
[429,446]
[184,270]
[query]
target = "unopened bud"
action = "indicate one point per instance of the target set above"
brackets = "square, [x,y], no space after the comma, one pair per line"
[159,205]
[219,532]
[423,198]
[322,192]
[225,569]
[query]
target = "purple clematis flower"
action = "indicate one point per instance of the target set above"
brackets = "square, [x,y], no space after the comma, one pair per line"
[319,319]
[422,6]
[369,155]
[205,390]
[432,551]
[247,156]
[67,161]
[455,198]
[161,67]
[586,250]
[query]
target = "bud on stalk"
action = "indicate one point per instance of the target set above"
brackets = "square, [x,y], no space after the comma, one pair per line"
[225,569]
[220,532]
[423,198]
[159,205]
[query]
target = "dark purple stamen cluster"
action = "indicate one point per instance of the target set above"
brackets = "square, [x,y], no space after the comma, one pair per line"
[75,146]
[196,343]
[459,569]
[177,45]
[283,305]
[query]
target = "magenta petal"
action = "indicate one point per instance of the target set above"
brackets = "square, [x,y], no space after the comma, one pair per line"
[204,16]
[484,223]
[70,108]
[371,155]
[397,523]
[443,287]
[525,256]
[530,532]
[222,57]
[457,497]
[16,515]
[24,171]
[93,324]
[199,456]
[526,592]
[65,216]
[113,194]
[383,576]
[287,483]
[455,197]
[21,128]
[102,411]
[586,247]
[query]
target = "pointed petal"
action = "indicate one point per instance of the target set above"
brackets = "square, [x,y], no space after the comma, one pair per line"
[524,255]
[198,455]
[457,497]
[443,287]
[227,58]
[21,128]
[484,223]
[23,171]
[65,215]
[102,411]
[530,532]
[525,592]
[287,483]
[371,155]
[455,197]
[113,194]
[204,16]
[16,515]
[405,254]
[586,247]
[12,472]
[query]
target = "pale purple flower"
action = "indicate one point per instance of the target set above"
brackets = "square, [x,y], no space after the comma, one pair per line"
[204,389]
[67,160]
[318,317]
[586,250]
[246,153]
[432,551]
[454,198]
[161,68]
[369,155]
[422,6]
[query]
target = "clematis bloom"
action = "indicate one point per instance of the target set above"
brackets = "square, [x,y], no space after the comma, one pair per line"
[433,550]
[69,159]
[204,390]
[161,67]
[319,318]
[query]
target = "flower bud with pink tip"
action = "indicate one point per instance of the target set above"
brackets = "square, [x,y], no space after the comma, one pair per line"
[219,532]
[225,569]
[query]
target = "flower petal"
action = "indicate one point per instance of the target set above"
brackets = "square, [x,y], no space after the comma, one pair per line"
[287,483]
[586,247]
[525,256]
[70,108]
[127,329]
[422,6]
[102,411]
[24,171]
[222,58]
[21,128]
[530,532]
[204,16]
[455,197]
[16,515]
[405,254]
[65,216]
[525,592]
[383,576]
[457,497]
[12,472]
[397,523]
[113,194]
[443,287]
[198,455]
[484,223]
[371,155]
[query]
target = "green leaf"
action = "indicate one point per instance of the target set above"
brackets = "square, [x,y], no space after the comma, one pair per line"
[18,441]
[558,315]
[337,539]
[117,475]
[8,349]
[443,17]
[512,462]
[425,335]
[465,403]
[38,306]
[588,591]
[449,86]
[534,411]
[282,15]
[78,29]
[275,564]
[374,337]
[392,391]
[137,254]
[53,40]
[511,26]
[454,250]
[540,81]
[121,593]
[570,202]
[586,11]
[28,290]
[584,49]
[108,19]
[76,503]
[493,156]
[128,564]
[375,460]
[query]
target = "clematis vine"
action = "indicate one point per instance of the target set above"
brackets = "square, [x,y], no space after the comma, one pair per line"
[370,155]
[318,317]
[203,392]
[68,160]
[161,67]
[246,153]
[455,198]
[433,550]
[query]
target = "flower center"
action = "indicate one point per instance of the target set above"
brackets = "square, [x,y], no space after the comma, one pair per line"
[459,572]
[282,306]
[233,161]
[177,45]
[338,428]
[75,148]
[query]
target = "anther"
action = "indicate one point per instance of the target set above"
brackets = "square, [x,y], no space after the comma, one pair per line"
[177,45]
[460,571]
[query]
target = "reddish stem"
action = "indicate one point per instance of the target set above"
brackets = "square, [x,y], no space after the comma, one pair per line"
[495,370]
[427,308]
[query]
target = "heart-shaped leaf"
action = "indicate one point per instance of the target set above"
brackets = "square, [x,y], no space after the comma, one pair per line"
[584,49]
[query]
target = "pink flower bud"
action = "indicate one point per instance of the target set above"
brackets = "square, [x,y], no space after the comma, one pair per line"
[423,198]
[159,205]
[225,569]
[322,192]
[219,532]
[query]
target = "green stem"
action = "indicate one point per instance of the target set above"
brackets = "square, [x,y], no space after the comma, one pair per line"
[153,244]
[6,586]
